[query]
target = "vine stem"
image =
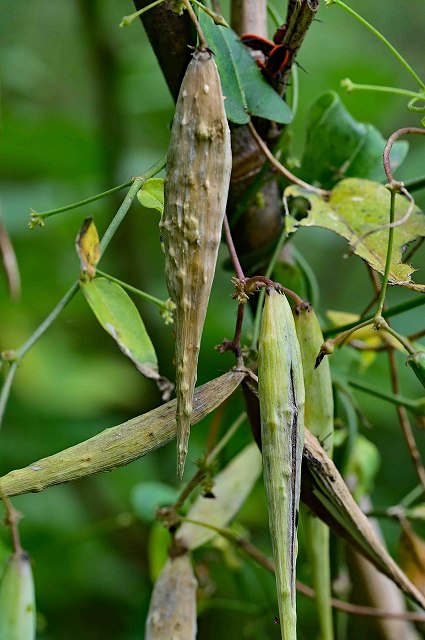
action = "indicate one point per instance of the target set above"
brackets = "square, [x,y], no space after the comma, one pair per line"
[232,251]
[120,214]
[279,166]
[265,562]
[388,313]
[127,20]
[383,291]
[350,86]
[75,205]
[271,266]
[388,147]
[381,37]
[192,14]
[142,294]
[11,520]
[394,398]
[406,427]
[200,474]
[42,328]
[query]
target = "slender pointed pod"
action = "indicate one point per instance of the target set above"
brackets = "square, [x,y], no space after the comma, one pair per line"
[17,599]
[281,395]
[195,196]
[318,415]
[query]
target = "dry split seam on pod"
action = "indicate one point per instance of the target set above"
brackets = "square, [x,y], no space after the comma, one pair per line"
[196,187]
[281,395]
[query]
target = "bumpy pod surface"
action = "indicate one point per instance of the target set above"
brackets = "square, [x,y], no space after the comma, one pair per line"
[281,395]
[196,188]
[318,414]
[17,599]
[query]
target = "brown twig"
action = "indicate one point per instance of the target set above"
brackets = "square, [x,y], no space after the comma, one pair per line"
[11,520]
[10,263]
[388,147]
[353,609]
[280,168]
[405,422]
[192,14]
[231,247]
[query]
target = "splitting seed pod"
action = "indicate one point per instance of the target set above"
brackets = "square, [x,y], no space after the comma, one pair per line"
[195,196]
[318,415]
[172,610]
[281,395]
[17,599]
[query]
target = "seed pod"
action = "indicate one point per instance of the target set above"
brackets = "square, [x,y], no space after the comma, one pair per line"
[318,415]
[281,394]
[17,599]
[172,610]
[196,187]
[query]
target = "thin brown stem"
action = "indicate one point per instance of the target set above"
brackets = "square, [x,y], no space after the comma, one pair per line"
[231,247]
[353,609]
[10,263]
[280,168]
[388,147]
[11,520]
[405,422]
[192,14]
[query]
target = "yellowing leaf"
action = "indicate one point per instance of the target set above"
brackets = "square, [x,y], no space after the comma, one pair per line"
[87,245]
[357,207]
[119,316]
[151,195]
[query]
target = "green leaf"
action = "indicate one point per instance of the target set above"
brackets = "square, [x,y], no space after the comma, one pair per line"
[151,195]
[338,146]
[356,207]
[118,315]
[246,91]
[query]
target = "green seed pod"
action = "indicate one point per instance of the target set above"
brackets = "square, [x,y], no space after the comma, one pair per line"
[195,196]
[17,599]
[172,610]
[281,395]
[319,420]
[417,364]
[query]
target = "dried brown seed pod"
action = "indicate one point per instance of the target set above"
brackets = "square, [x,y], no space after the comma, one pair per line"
[172,611]
[196,188]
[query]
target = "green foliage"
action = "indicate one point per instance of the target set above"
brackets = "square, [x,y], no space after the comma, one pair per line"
[337,146]
[247,92]
[72,126]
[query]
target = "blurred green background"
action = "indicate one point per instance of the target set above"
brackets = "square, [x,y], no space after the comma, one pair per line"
[83,108]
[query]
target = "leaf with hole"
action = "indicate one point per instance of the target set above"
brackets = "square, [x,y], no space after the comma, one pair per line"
[355,210]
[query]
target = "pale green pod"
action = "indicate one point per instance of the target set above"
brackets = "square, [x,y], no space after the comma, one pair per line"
[17,599]
[318,417]
[281,395]
[172,610]
[319,404]
[195,195]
